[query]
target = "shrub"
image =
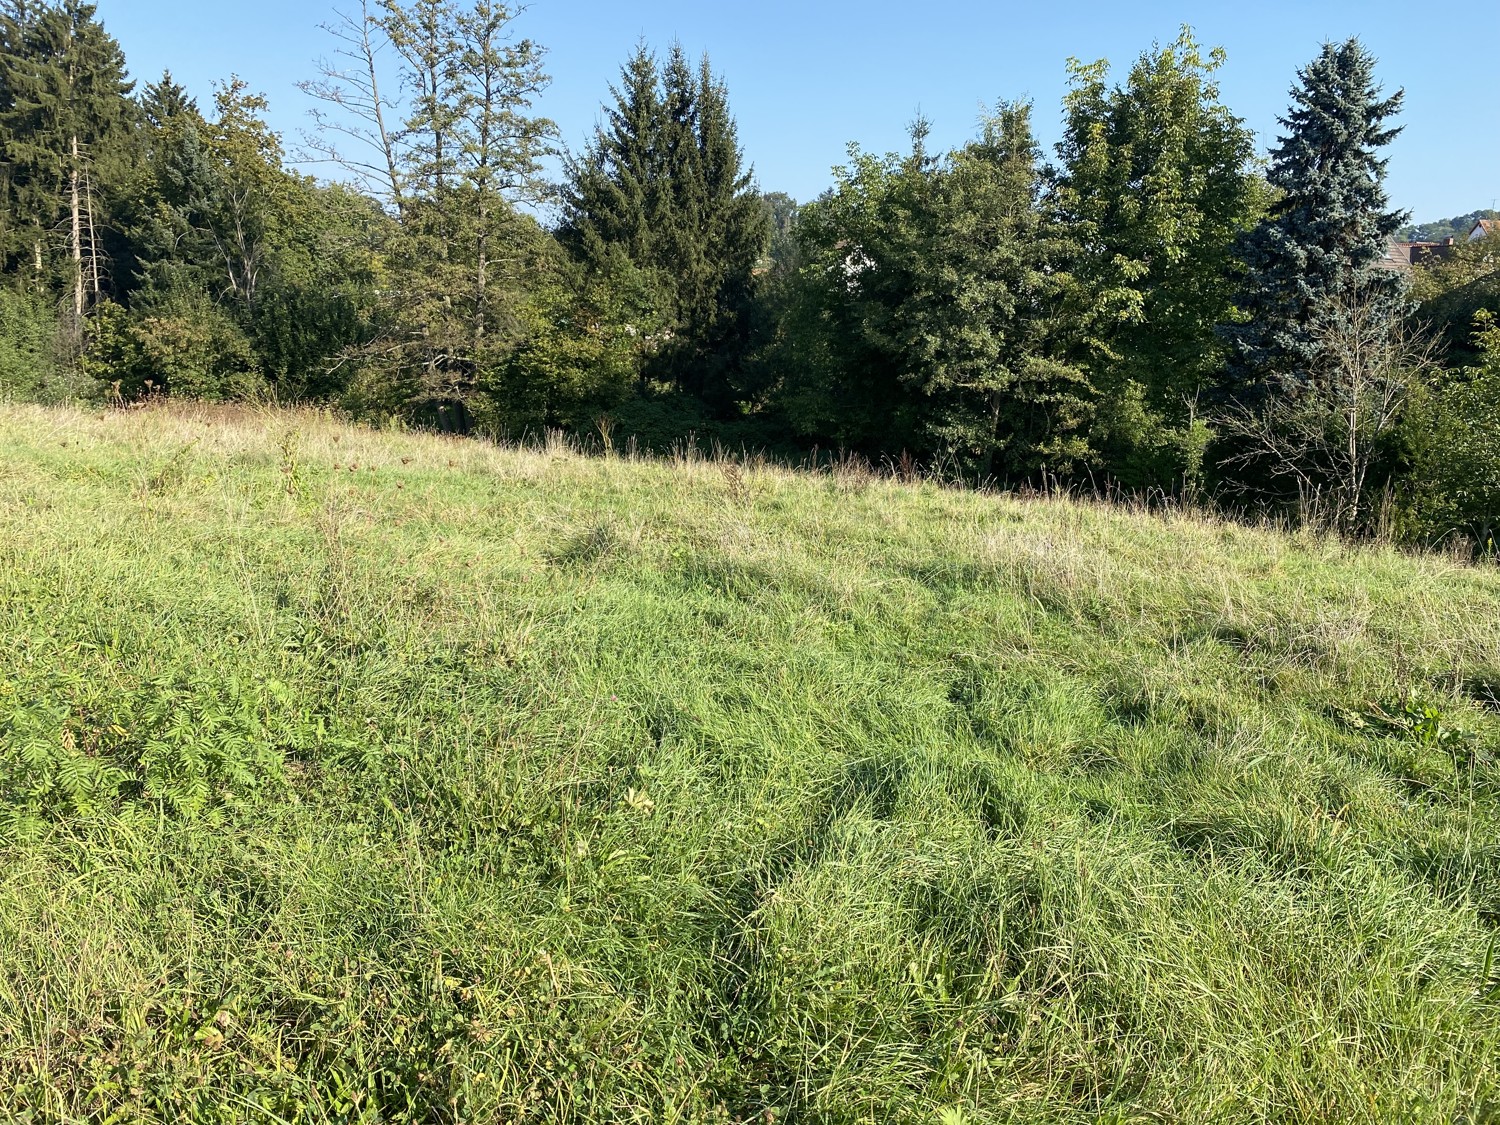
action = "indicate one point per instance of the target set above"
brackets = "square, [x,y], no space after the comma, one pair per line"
[186,346]
[28,345]
[1454,428]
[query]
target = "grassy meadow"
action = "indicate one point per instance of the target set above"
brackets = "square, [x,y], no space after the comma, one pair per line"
[351,776]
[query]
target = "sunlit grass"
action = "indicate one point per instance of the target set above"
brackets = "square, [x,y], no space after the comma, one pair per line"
[360,776]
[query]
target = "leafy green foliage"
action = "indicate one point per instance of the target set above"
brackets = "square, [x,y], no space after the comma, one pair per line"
[941,310]
[1454,431]
[185,345]
[1455,289]
[972,313]
[580,358]
[1457,227]
[185,746]
[1155,175]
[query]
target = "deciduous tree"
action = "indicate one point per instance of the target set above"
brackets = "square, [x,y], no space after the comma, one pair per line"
[1155,175]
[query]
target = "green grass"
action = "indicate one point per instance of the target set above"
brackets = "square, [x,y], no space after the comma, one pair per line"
[349,776]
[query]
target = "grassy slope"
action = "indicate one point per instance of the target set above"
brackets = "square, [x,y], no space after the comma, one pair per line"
[542,788]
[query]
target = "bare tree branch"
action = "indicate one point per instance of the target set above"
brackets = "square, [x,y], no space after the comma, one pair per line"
[1322,443]
[359,109]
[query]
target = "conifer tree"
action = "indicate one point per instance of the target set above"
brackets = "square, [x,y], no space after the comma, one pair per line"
[662,184]
[1314,258]
[994,313]
[65,114]
[614,194]
[942,312]
[452,163]
[166,100]
[167,197]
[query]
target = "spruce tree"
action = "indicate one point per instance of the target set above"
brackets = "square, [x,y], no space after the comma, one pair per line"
[663,186]
[65,115]
[992,320]
[612,196]
[165,206]
[737,234]
[165,101]
[1315,257]
[938,312]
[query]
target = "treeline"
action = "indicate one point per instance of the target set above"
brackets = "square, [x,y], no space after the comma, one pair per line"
[1147,306]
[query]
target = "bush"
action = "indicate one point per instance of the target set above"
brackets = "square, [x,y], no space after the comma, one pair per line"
[186,346]
[1140,449]
[1454,429]
[297,332]
[577,360]
[28,345]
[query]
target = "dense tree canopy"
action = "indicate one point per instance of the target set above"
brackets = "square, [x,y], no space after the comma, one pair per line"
[661,190]
[939,289]
[1156,177]
[65,119]
[1145,311]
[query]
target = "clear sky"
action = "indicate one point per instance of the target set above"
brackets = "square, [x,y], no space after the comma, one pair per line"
[808,76]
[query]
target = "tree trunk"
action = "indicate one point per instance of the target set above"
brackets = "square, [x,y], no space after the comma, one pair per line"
[387,144]
[76,207]
[481,271]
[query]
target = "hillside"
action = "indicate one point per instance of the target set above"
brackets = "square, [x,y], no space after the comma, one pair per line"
[354,776]
[1457,227]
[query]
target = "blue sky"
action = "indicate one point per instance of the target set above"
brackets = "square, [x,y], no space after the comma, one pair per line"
[805,78]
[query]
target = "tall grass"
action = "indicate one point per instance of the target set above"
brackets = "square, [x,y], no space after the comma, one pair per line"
[358,776]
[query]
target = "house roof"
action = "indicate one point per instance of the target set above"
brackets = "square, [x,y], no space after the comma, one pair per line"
[1484,228]
[1396,257]
[1403,255]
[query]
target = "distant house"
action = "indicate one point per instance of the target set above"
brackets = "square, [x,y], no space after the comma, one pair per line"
[1402,256]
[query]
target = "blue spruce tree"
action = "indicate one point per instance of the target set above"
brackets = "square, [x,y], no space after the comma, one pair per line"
[1314,258]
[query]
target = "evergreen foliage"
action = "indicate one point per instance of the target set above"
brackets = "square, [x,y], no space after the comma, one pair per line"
[941,309]
[1316,253]
[971,309]
[65,116]
[28,345]
[662,185]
